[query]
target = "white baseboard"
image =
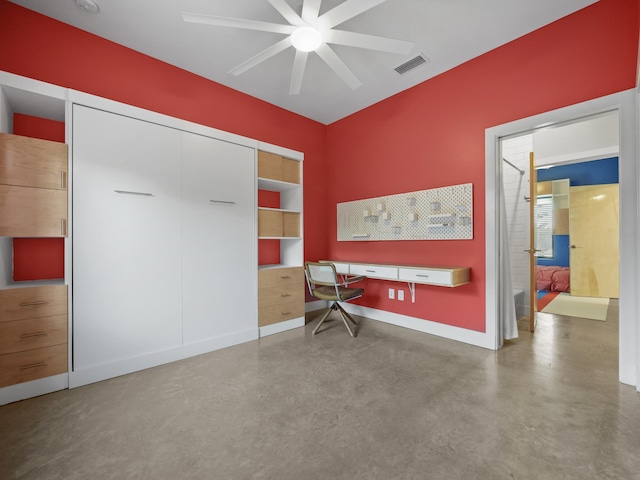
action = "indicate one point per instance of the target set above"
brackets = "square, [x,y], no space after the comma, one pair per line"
[479,339]
[281,326]
[35,388]
[97,373]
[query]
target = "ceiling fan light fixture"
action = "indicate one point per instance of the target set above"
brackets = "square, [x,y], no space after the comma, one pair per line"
[88,6]
[306,39]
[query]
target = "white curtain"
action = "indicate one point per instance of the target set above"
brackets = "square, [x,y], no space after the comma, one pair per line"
[507,305]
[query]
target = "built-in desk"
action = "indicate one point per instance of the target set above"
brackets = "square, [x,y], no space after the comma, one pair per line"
[411,274]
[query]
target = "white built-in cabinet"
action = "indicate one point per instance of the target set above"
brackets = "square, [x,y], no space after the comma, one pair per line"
[162,250]
[164,239]
[127,238]
[218,229]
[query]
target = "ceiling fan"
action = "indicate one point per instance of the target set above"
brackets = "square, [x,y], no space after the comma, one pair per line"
[310,32]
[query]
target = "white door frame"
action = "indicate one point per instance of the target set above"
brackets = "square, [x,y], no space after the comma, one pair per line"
[625,104]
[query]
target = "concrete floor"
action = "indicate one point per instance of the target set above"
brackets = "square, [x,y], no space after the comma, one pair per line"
[389,404]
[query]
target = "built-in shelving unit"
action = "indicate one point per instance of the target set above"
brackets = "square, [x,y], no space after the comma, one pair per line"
[34,346]
[281,285]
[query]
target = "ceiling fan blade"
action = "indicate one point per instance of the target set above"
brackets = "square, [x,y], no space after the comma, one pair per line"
[237,23]
[337,65]
[345,11]
[287,12]
[299,65]
[371,42]
[261,57]
[310,11]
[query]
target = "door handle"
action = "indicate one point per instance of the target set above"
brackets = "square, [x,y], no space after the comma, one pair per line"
[531,250]
[129,192]
[574,246]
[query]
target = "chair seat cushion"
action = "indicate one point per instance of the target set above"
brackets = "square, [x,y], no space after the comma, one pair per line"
[329,293]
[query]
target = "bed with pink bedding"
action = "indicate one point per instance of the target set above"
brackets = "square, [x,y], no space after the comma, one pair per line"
[552,279]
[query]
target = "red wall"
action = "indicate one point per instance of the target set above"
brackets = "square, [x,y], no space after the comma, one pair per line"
[42,48]
[429,136]
[433,135]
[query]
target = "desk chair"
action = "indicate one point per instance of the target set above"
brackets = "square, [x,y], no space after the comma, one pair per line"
[323,283]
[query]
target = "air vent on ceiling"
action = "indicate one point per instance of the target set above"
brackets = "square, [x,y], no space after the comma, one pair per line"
[411,64]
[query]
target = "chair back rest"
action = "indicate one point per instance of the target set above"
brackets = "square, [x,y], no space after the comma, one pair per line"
[321,273]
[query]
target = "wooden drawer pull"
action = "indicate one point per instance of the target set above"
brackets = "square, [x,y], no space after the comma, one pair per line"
[284,295]
[36,302]
[285,313]
[285,277]
[33,365]
[35,334]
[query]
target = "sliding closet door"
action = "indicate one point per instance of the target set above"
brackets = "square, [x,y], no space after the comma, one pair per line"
[219,239]
[126,238]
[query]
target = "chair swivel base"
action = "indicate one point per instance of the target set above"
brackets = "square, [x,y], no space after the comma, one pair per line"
[345,316]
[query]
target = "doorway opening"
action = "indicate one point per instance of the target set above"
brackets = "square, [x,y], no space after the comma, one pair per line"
[624,103]
[552,246]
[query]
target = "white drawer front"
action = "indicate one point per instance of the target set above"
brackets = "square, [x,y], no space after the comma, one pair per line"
[424,275]
[342,268]
[374,271]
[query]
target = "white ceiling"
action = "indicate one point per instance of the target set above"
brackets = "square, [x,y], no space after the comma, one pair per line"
[448,32]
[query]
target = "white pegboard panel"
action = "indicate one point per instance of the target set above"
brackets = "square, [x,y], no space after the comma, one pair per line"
[444,213]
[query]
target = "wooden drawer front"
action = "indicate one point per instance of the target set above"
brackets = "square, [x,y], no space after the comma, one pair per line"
[269,165]
[33,302]
[290,170]
[280,294]
[22,335]
[374,271]
[270,223]
[32,212]
[276,223]
[31,162]
[290,224]
[32,364]
[273,277]
[280,313]
[276,167]
[424,275]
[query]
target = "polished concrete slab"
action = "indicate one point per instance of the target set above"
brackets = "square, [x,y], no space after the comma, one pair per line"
[389,404]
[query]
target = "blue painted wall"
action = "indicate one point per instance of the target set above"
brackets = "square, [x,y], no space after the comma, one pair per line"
[560,252]
[597,172]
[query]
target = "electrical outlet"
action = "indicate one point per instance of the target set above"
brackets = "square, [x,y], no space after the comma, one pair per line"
[392,293]
[401,295]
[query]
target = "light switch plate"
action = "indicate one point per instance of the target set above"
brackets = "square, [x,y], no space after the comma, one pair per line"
[392,293]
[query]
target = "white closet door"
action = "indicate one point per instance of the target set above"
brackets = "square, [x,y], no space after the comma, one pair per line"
[126,238]
[219,238]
